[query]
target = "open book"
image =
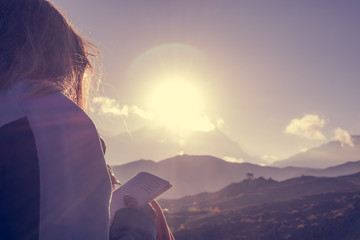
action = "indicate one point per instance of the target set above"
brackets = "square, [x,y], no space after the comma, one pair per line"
[144,187]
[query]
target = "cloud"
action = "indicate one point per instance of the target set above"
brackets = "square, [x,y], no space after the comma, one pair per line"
[308,127]
[303,149]
[142,113]
[109,106]
[233,160]
[201,123]
[343,137]
[106,106]
[268,159]
[220,123]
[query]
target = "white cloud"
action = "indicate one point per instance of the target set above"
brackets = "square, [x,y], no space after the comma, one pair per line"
[109,106]
[233,160]
[268,159]
[308,127]
[343,137]
[142,113]
[220,123]
[303,149]
[201,124]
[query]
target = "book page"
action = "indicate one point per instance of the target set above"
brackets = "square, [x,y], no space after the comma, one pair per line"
[144,187]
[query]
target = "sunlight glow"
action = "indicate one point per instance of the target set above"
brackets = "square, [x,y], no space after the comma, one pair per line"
[178,105]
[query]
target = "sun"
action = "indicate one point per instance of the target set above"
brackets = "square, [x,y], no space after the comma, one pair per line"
[171,77]
[179,105]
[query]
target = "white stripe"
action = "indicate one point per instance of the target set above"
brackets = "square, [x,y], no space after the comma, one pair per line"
[74,183]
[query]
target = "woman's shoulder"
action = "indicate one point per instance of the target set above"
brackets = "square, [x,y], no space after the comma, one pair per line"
[48,105]
[43,109]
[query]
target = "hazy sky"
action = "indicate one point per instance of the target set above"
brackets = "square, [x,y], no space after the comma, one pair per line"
[276,76]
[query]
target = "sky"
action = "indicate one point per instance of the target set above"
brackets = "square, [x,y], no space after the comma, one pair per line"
[278,77]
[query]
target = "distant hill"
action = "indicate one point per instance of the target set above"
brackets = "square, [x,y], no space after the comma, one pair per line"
[161,143]
[261,190]
[195,174]
[326,155]
[338,170]
[306,207]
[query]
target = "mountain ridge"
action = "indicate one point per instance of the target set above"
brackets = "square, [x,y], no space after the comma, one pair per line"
[194,174]
[326,155]
[258,191]
[162,143]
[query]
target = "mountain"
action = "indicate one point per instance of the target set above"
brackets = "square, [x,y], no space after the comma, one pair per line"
[161,143]
[338,170]
[261,190]
[194,174]
[326,155]
[306,207]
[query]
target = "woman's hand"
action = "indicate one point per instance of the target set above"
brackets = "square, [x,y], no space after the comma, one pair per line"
[132,221]
[131,202]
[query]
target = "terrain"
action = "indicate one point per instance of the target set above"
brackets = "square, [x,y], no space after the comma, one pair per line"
[300,208]
[194,174]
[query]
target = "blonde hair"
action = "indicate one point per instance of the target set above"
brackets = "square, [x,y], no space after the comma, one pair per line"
[38,43]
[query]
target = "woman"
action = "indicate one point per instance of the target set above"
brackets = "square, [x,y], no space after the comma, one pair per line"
[54,182]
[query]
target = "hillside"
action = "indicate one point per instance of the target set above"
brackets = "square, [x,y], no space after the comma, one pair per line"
[327,216]
[260,190]
[309,208]
[194,174]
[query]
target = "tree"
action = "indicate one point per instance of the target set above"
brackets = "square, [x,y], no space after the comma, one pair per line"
[249,176]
